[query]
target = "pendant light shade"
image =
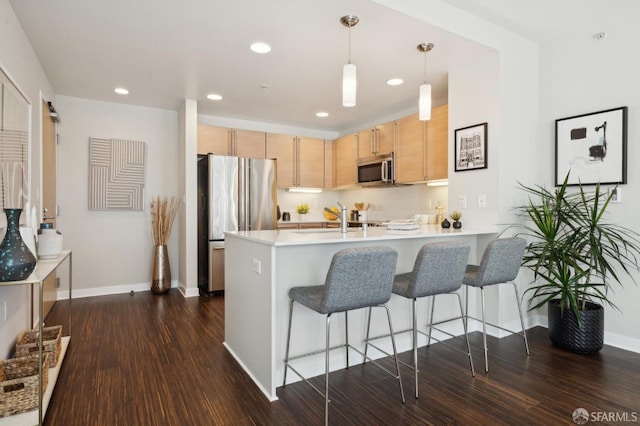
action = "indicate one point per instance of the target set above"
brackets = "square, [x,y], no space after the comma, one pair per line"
[424,100]
[349,82]
[349,85]
[424,103]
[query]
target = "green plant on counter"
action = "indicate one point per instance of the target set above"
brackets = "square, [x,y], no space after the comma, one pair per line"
[456,215]
[302,209]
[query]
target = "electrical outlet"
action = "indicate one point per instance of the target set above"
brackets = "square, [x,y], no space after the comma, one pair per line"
[482,201]
[462,201]
[256,266]
[617,194]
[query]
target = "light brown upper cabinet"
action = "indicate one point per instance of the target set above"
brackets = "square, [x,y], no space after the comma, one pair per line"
[345,153]
[421,147]
[376,141]
[329,169]
[437,160]
[301,161]
[225,141]
[410,152]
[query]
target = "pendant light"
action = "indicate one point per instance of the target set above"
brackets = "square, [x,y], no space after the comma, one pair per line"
[349,70]
[424,102]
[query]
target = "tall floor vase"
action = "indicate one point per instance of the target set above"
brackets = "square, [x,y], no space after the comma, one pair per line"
[161,273]
[16,260]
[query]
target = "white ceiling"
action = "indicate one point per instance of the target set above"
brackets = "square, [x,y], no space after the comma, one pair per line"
[164,51]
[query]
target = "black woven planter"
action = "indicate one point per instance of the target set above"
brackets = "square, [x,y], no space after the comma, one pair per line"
[564,331]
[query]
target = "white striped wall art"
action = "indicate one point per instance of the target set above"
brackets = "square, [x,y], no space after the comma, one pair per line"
[116,174]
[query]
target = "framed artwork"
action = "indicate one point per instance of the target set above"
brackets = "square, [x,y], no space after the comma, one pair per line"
[593,147]
[471,147]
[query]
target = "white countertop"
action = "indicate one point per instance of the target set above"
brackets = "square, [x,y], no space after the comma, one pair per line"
[292,237]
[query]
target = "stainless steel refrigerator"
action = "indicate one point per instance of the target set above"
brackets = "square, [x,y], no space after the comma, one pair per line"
[234,194]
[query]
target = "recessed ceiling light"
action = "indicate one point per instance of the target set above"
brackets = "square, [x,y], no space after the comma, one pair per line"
[121,91]
[395,81]
[214,97]
[322,114]
[260,47]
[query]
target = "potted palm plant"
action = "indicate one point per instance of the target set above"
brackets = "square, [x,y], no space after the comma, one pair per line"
[576,257]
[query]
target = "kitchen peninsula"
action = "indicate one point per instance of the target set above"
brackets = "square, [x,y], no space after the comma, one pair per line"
[261,267]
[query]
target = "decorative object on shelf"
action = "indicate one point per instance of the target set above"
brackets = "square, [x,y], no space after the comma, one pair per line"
[576,256]
[19,384]
[471,148]
[163,213]
[49,241]
[593,146]
[278,211]
[456,215]
[445,224]
[332,216]
[439,213]
[16,260]
[51,343]
[302,210]
[286,216]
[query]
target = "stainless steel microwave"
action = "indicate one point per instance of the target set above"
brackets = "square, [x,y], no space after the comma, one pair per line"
[376,171]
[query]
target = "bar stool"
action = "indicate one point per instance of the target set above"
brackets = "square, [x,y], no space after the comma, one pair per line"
[438,270]
[500,264]
[357,278]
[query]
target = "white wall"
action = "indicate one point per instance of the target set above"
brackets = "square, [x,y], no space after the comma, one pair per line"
[19,62]
[581,75]
[112,250]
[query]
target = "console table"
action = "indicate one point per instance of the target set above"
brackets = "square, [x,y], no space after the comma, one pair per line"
[44,268]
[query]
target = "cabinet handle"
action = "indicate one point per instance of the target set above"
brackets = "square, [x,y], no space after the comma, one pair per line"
[377,140]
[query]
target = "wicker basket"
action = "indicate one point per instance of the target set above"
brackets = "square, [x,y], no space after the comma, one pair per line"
[51,337]
[19,384]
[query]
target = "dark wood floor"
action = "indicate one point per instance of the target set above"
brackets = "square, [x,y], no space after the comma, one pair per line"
[159,360]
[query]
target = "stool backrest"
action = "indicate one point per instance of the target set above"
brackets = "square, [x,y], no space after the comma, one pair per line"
[359,277]
[439,269]
[501,261]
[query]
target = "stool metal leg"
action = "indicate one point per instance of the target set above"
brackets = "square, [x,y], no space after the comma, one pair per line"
[395,353]
[346,335]
[524,333]
[466,336]
[415,343]
[366,340]
[326,372]
[286,357]
[433,305]
[484,333]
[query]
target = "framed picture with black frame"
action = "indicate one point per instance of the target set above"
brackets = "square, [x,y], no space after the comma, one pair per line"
[592,148]
[471,148]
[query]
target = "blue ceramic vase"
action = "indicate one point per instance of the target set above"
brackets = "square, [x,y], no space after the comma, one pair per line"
[16,260]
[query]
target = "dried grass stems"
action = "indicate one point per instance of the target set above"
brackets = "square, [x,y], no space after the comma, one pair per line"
[163,212]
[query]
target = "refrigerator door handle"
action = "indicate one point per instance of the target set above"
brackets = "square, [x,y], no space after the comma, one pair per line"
[244,206]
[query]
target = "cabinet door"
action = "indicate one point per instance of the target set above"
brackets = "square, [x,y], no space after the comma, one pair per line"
[310,162]
[310,225]
[410,151]
[437,143]
[376,141]
[282,148]
[346,161]
[248,143]
[287,225]
[213,140]
[329,169]
[384,138]
[365,143]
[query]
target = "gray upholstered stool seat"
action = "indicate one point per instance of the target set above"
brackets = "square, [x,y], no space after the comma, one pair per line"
[357,278]
[438,270]
[500,264]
